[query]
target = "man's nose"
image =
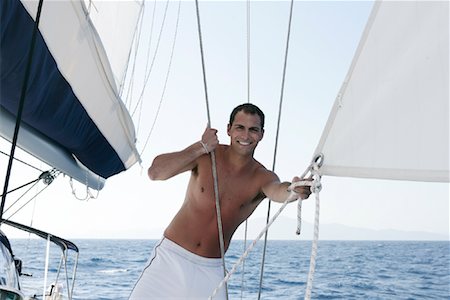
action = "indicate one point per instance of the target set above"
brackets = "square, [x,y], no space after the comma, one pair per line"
[245,134]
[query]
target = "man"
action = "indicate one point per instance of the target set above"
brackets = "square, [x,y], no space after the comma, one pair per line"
[186,262]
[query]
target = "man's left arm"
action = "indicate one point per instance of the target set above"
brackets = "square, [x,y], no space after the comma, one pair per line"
[279,191]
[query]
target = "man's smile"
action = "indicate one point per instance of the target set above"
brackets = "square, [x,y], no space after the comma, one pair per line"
[244,143]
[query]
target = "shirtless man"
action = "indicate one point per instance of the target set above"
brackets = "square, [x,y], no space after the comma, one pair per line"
[193,236]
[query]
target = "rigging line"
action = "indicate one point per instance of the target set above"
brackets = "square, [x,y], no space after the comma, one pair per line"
[248,101]
[166,80]
[22,186]
[26,203]
[276,140]
[147,76]
[131,85]
[136,36]
[248,51]
[136,39]
[213,156]
[150,39]
[25,163]
[19,198]
[312,263]
[20,107]
[47,177]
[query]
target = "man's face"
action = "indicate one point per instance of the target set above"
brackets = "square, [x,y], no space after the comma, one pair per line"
[245,132]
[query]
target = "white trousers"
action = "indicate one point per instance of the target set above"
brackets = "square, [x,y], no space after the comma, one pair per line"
[173,272]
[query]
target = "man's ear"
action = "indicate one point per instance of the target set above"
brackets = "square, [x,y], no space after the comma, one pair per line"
[228,129]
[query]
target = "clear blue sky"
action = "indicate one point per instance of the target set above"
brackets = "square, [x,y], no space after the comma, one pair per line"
[323,40]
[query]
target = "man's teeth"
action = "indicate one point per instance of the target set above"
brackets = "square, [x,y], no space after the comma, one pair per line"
[244,143]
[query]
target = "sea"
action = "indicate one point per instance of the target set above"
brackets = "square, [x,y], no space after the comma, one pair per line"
[108,269]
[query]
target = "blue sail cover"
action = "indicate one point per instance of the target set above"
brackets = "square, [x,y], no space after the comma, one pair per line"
[52,107]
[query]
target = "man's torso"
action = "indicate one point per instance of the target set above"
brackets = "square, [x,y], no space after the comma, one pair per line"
[195,225]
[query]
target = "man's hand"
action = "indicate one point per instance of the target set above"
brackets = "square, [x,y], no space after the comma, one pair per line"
[302,191]
[209,139]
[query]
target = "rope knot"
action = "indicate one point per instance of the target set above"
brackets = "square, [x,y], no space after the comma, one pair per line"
[316,187]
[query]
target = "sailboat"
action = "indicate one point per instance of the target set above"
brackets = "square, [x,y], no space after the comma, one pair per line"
[60,102]
[395,75]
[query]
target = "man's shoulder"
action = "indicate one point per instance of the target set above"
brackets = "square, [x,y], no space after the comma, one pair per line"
[260,169]
[259,166]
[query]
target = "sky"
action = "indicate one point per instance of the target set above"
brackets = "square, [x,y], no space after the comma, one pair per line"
[323,40]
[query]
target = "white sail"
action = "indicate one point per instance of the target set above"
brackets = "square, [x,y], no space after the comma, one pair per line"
[390,119]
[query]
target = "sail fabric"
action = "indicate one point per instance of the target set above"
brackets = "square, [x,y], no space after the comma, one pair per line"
[72,99]
[390,119]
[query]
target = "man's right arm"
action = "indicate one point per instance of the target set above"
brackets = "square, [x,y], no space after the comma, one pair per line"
[167,165]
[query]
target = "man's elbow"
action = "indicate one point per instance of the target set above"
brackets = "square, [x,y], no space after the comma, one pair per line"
[154,174]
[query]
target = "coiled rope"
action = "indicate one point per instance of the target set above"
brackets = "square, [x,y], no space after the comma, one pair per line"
[212,153]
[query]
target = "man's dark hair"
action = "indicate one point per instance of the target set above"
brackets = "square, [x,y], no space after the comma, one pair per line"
[248,108]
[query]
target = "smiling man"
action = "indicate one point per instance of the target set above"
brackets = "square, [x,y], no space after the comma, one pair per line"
[186,262]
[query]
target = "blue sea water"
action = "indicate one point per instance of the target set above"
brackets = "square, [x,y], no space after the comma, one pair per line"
[108,269]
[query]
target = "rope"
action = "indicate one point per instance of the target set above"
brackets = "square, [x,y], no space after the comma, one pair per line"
[312,264]
[248,101]
[291,197]
[276,140]
[20,208]
[317,162]
[213,156]
[248,51]
[22,186]
[35,182]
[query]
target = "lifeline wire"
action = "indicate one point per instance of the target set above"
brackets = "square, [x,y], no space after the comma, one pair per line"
[276,140]
[213,156]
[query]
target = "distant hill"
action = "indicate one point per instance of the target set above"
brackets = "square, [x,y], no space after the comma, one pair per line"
[284,229]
